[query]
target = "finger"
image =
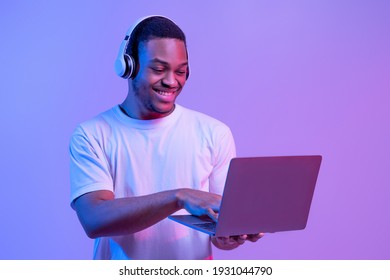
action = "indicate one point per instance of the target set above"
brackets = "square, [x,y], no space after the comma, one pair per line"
[255,237]
[226,241]
[222,239]
[241,239]
[210,212]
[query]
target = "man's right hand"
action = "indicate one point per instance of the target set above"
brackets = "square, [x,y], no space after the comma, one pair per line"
[199,203]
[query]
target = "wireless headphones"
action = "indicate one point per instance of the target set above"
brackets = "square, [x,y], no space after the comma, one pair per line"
[124,63]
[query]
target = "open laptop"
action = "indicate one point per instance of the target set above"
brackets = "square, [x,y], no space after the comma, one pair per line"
[262,194]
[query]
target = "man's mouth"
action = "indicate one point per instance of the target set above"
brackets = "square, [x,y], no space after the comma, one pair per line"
[165,93]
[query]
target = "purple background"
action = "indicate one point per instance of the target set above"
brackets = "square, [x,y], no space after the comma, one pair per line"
[288,77]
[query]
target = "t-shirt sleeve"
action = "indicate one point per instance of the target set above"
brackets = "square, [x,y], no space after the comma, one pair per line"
[224,151]
[89,168]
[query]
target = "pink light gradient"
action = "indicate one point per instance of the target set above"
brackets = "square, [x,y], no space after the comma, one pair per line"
[288,77]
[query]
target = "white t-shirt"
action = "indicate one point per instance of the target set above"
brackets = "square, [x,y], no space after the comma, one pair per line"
[131,157]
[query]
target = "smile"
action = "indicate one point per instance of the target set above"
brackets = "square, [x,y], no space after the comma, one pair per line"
[165,93]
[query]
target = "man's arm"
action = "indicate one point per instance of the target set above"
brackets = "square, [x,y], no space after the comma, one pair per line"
[102,215]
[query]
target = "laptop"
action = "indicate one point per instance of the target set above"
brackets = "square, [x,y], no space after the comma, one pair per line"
[262,194]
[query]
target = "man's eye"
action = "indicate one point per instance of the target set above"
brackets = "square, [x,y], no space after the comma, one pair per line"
[158,70]
[181,72]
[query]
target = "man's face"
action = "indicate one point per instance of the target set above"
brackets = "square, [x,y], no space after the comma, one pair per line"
[161,76]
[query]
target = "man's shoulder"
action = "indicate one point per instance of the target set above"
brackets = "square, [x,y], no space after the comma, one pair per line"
[102,121]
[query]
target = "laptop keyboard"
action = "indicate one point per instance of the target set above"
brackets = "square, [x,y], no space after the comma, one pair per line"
[208,226]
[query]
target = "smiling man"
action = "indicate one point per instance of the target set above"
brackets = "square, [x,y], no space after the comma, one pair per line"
[147,158]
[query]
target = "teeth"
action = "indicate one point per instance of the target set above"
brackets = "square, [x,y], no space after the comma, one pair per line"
[164,93]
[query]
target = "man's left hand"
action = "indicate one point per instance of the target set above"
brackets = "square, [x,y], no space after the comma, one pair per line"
[232,242]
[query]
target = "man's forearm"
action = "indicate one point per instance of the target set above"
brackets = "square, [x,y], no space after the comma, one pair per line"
[103,215]
[106,216]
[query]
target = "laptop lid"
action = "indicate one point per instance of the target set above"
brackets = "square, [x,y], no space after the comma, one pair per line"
[266,194]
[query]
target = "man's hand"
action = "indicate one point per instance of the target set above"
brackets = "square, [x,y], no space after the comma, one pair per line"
[232,242]
[199,203]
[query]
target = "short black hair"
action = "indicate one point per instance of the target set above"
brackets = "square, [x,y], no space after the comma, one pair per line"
[152,28]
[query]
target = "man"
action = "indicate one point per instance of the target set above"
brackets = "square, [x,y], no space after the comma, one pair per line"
[147,158]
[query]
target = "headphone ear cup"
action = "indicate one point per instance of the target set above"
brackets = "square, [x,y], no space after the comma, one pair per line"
[120,66]
[130,67]
[124,64]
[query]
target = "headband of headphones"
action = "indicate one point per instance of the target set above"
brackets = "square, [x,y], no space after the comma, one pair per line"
[124,63]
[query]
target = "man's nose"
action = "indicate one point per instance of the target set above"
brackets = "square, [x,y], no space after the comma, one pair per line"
[169,79]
